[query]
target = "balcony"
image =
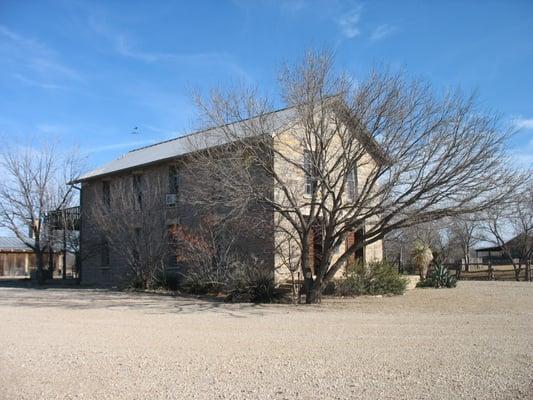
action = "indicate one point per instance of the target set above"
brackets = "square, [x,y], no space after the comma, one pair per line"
[68,219]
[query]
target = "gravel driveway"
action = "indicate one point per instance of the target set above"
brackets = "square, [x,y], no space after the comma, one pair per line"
[473,342]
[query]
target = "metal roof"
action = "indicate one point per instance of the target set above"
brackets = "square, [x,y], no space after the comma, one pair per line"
[183,145]
[14,244]
[268,123]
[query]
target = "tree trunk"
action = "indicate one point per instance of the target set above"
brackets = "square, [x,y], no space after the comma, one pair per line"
[313,294]
[39,275]
[517,270]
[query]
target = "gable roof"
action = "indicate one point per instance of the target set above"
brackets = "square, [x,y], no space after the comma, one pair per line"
[212,137]
[186,144]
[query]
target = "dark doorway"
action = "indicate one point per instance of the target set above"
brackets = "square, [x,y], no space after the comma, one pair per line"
[351,239]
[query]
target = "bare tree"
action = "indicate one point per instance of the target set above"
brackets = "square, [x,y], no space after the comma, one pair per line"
[514,219]
[380,154]
[130,219]
[464,234]
[34,183]
[403,244]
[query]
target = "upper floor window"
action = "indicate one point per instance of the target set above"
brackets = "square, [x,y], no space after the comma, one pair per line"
[309,169]
[352,183]
[138,191]
[173,179]
[106,193]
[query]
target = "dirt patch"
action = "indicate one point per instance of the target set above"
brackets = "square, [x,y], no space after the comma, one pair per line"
[470,342]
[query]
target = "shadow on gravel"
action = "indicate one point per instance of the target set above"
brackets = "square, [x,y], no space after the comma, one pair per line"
[25,294]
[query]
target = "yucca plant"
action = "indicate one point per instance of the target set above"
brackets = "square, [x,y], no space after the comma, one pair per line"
[422,257]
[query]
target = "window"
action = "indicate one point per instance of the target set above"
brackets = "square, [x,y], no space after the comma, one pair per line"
[104,253]
[309,169]
[173,179]
[106,193]
[137,232]
[137,190]
[172,232]
[351,182]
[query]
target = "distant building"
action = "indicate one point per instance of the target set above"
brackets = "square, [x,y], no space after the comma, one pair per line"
[17,259]
[496,254]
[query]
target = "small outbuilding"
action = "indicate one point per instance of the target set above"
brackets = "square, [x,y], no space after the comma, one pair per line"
[17,259]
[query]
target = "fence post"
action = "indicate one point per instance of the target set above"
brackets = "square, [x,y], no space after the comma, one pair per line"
[491,271]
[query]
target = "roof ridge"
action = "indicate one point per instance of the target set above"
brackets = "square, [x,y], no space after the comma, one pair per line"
[211,128]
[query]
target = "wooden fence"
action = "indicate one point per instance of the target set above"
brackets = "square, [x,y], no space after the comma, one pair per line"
[478,271]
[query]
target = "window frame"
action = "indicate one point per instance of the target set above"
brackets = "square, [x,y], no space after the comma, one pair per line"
[174,180]
[352,182]
[309,178]
[138,190]
[106,193]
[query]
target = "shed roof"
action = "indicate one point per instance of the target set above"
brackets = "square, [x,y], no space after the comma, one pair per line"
[14,245]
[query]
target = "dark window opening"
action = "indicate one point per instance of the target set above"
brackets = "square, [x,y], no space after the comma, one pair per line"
[173,179]
[137,244]
[310,175]
[106,193]
[352,184]
[137,189]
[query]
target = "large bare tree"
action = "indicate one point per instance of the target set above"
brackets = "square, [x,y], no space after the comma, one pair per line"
[378,153]
[34,182]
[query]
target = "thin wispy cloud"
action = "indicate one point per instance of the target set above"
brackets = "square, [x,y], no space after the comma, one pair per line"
[54,128]
[28,57]
[33,83]
[382,31]
[122,44]
[349,23]
[523,123]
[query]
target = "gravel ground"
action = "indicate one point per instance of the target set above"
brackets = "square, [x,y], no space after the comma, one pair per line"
[473,342]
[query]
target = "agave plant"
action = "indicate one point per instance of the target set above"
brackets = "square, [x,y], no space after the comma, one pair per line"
[422,256]
[440,277]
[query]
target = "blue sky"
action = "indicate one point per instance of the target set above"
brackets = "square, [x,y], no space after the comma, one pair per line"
[88,72]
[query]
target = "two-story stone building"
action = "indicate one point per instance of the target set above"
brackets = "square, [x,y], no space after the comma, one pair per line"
[155,172]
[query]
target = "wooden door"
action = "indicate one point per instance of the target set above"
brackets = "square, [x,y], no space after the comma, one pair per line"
[351,239]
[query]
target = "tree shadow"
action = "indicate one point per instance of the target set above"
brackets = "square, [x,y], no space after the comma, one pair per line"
[21,294]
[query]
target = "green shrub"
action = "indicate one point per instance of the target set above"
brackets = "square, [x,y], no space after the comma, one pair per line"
[376,278]
[439,277]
